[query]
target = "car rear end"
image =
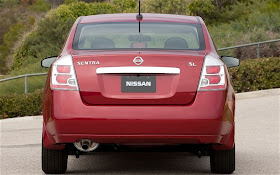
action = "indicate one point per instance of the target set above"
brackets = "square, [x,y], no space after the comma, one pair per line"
[115,84]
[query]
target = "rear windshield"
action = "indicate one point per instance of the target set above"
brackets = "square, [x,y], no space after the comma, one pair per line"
[125,35]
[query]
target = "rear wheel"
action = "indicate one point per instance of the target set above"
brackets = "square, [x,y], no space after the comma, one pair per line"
[54,161]
[223,161]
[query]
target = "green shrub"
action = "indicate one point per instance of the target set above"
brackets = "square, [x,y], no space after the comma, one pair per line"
[255,27]
[124,5]
[13,34]
[74,10]
[15,22]
[4,51]
[46,41]
[9,40]
[239,11]
[31,21]
[272,6]
[101,8]
[266,50]
[9,3]
[15,105]
[256,74]
[49,37]
[203,8]
[40,6]
[165,6]
[220,4]
[70,1]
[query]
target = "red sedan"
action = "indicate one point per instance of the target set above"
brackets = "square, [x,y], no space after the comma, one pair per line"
[126,82]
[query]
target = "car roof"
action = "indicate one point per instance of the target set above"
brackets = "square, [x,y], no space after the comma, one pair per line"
[147,17]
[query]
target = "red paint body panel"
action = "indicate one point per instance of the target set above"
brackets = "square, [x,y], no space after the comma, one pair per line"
[103,122]
[131,17]
[106,88]
[175,114]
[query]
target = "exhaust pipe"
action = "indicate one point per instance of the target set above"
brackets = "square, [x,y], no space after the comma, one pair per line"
[86,145]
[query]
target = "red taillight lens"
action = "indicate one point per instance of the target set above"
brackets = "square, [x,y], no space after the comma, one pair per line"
[212,69]
[63,69]
[213,75]
[63,74]
[62,79]
[213,79]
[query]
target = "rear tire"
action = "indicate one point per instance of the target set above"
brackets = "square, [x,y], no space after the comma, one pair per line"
[54,161]
[223,161]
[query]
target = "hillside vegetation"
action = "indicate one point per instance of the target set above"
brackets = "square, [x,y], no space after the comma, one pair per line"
[230,22]
[16,19]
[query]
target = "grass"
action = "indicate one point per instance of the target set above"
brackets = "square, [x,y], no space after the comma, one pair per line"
[17,85]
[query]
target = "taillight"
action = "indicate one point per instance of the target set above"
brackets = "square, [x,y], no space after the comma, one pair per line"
[63,69]
[212,75]
[63,74]
[213,69]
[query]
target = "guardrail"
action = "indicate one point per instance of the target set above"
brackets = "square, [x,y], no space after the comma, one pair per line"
[221,49]
[251,44]
[25,79]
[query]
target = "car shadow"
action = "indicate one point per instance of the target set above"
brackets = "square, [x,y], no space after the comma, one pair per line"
[139,163]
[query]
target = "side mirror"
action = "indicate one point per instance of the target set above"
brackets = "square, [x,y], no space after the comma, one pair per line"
[47,62]
[230,61]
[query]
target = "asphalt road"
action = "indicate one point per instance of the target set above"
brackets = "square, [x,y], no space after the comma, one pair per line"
[257,146]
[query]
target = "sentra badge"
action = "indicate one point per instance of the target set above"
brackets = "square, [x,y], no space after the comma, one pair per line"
[83,63]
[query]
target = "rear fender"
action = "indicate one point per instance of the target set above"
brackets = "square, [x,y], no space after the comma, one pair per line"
[49,141]
[229,142]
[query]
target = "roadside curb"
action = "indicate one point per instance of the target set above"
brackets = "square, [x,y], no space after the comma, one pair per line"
[18,119]
[255,94]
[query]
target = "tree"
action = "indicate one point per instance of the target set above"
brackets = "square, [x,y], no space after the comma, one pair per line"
[40,6]
[165,6]
[124,5]
[70,1]
[203,8]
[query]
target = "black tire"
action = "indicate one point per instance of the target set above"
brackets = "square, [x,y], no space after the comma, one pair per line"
[54,161]
[223,162]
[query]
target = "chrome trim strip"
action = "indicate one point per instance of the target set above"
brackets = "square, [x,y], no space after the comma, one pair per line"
[137,69]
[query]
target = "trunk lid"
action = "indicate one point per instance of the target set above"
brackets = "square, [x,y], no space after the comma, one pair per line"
[106,88]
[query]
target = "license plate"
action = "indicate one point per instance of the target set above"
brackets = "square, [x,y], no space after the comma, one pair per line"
[144,84]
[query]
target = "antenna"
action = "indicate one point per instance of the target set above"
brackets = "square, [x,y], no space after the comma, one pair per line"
[139,16]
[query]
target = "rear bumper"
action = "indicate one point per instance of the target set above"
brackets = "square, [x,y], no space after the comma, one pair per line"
[209,119]
[140,139]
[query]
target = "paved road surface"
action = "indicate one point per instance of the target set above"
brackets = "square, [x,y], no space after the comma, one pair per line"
[257,147]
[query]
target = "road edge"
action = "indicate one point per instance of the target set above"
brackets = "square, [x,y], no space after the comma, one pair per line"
[18,119]
[255,94]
